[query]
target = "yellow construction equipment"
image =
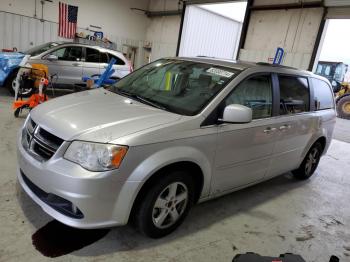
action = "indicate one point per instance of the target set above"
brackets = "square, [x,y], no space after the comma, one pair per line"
[343,101]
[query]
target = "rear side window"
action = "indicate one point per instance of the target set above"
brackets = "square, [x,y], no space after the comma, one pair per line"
[92,55]
[323,94]
[104,58]
[294,95]
[119,61]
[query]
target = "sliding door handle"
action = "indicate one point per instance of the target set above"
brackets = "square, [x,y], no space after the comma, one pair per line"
[269,130]
[284,127]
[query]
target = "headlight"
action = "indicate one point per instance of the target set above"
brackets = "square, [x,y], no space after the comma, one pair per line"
[94,156]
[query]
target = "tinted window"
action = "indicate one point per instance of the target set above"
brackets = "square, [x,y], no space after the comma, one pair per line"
[179,86]
[104,58]
[327,71]
[323,94]
[70,53]
[294,95]
[92,55]
[40,49]
[119,61]
[256,93]
[319,69]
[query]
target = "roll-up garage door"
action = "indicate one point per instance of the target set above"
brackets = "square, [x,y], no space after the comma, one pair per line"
[205,33]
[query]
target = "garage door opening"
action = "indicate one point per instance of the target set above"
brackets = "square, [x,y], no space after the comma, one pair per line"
[212,30]
[334,52]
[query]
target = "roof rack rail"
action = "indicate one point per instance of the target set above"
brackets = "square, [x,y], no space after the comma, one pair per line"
[276,65]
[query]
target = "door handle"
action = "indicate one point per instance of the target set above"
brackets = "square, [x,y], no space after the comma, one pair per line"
[269,130]
[76,64]
[284,127]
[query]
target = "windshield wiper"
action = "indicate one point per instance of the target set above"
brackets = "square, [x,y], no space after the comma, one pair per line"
[140,99]
[148,102]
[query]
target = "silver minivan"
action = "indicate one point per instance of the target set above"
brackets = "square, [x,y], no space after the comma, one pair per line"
[69,62]
[173,133]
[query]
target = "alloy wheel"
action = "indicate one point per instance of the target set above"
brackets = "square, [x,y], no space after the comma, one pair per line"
[170,205]
[312,160]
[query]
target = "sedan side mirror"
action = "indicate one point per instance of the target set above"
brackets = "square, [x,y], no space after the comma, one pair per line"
[236,113]
[52,57]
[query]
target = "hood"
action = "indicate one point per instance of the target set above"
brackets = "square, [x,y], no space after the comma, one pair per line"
[98,116]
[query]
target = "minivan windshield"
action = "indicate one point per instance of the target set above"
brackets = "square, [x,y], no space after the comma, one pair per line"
[179,86]
[40,48]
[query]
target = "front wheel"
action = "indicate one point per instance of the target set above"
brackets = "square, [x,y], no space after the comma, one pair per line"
[165,204]
[310,162]
[10,84]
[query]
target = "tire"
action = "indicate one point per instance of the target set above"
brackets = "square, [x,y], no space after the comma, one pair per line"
[9,85]
[343,107]
[156,214]
[310,162]
[17,111]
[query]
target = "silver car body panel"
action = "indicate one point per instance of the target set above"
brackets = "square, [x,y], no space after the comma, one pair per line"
[71,72]
[230,156]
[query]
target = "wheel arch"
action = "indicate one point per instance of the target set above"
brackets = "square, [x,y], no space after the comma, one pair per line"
[13,72]
[195,172]
[321,138]
[151,168]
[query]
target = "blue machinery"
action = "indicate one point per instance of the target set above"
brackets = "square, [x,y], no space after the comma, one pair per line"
[105,77]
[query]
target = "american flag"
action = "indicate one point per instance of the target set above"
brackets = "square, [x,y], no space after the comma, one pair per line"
[68,16]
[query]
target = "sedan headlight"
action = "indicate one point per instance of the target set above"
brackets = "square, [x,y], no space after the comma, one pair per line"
[94,156]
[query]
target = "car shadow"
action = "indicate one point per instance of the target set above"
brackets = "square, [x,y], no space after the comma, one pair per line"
[127,238]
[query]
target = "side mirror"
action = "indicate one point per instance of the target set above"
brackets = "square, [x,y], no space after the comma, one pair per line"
[52,57]
[236,113]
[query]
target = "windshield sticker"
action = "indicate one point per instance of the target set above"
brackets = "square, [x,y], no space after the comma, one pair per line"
[220,72]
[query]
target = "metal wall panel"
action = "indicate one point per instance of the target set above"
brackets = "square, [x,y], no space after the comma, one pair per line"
[337,3]
[338,13]
[25,32]
[208,34]
[295,30]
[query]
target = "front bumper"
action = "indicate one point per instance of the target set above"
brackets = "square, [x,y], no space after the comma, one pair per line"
[103,198]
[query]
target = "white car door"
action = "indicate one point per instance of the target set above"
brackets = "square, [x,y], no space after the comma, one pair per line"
[244,150]
[295,125]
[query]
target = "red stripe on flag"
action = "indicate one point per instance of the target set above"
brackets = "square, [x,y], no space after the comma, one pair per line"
[65,20]
[59,18]
[66,29]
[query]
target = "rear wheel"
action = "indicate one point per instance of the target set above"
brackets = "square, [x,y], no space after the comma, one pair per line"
[310,162]
[343,107]
[165,204]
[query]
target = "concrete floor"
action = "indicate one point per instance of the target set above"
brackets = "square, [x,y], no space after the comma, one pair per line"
[310,218]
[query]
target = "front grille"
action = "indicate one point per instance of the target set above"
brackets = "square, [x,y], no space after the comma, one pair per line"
[58,203]
[38,142]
